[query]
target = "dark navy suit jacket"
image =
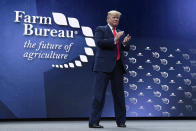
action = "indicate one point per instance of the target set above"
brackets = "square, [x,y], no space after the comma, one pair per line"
[106,50]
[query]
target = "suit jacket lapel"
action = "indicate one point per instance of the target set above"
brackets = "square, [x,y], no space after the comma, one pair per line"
[110,33]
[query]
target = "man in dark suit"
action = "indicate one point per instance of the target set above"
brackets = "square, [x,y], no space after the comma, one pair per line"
[108,66]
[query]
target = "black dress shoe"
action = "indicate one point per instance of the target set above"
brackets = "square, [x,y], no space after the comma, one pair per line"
[95,126]
[121,125]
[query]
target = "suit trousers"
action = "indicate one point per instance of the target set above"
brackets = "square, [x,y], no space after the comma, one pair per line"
[100,85]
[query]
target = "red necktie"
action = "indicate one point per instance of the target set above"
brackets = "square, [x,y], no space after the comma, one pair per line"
[117,43]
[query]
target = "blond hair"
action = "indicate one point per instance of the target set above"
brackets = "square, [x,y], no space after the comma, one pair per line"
[114,12]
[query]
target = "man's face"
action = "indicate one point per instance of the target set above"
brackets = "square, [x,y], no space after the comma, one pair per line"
[113,19]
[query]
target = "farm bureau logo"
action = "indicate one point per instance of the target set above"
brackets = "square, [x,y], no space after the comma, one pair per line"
[41,46]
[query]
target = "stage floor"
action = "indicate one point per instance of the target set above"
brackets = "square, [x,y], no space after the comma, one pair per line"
[109,125]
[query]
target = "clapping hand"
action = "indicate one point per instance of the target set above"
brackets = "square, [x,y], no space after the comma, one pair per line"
[118,35]
[127,39]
